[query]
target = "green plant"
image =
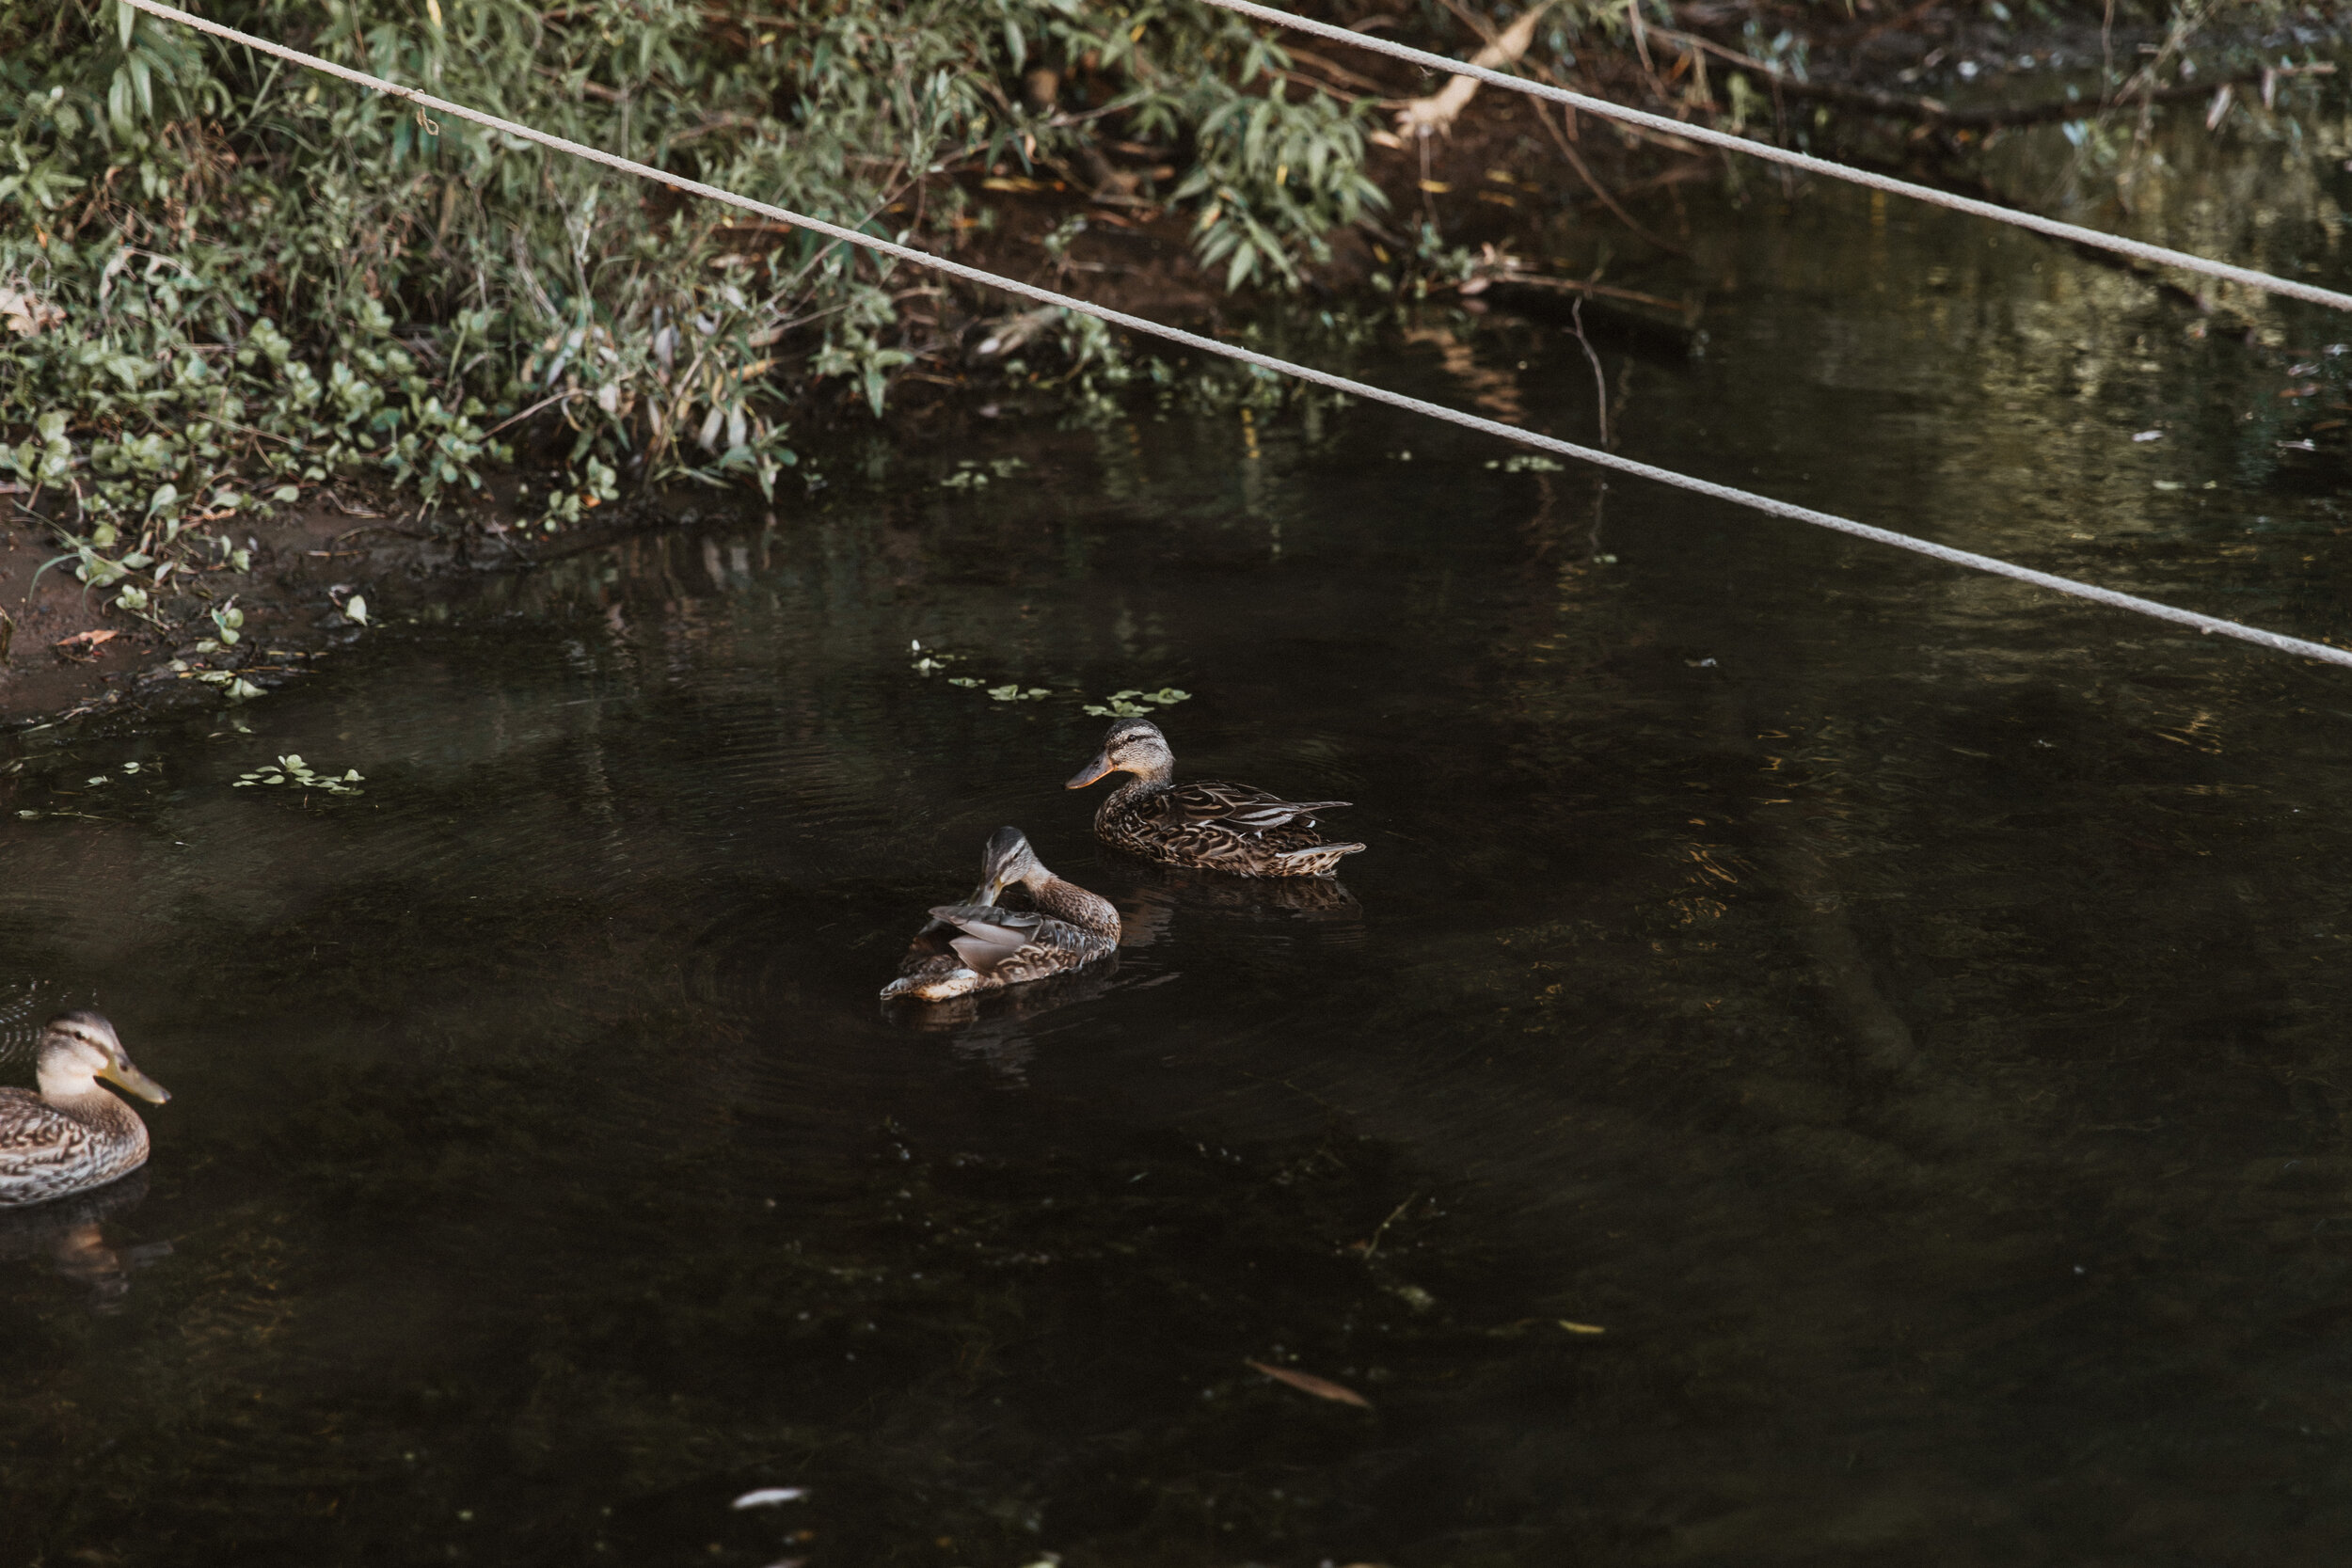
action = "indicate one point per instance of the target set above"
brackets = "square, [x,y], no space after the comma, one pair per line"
[1135,703]
[225,282]
[292,770]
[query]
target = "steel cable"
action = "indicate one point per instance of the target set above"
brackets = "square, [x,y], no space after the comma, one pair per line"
[2201,622]
[2074,233]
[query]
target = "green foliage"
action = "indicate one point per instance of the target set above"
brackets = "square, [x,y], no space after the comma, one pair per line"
[224,280]
[294,771]
[1133,702]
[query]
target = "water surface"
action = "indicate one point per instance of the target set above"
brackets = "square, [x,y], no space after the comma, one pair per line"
[1904,1011]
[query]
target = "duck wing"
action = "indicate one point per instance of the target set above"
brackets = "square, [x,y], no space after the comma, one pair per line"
[1235,808]
[986,935]
[930,953]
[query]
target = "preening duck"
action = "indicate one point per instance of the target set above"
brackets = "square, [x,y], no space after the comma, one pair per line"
[73,1135]
[978,946]
[1221,827]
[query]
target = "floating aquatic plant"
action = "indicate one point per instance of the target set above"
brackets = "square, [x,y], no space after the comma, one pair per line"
[970,475]
[1133,703]
[1129,704]
[292,770]
[132,773]
[930,661]
[233,686]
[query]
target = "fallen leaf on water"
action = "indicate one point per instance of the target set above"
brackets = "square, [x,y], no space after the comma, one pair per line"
[1513,1330]
[1307,1384]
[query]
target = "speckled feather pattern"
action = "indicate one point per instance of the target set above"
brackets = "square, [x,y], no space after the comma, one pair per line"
[1069,929]
[49,1148]
[1222,827]
[1054,947]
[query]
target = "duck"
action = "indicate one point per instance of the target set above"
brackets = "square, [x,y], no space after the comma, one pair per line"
[978,946]
[1217,826]
[73,1135]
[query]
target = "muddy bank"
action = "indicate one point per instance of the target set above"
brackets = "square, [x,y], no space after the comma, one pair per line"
[68,654]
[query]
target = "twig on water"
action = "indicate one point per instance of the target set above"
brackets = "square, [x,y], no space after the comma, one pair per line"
[1576,320]
[1600,380]
[1374,1246]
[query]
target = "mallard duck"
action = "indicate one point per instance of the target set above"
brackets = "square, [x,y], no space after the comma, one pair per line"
[976,946]
[73,1135]
[1221,827]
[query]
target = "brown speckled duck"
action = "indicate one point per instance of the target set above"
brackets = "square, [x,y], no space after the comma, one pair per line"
[1221,827]
[978,946]
[73,1135]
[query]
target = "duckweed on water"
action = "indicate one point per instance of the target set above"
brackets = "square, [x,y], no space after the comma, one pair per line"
[1132,703]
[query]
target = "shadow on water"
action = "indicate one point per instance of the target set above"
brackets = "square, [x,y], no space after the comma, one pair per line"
[1904,1011]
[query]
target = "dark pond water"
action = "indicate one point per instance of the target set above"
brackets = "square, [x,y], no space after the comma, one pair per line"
[1905,1012]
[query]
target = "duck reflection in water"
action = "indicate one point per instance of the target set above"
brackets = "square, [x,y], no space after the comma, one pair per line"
[71,1233]
[999,1030]
[1159,894]
[981,947]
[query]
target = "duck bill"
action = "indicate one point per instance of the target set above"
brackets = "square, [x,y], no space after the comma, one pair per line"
[136,1082]
[1090,772]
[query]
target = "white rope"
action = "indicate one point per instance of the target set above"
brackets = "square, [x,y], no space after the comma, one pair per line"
[2074,234]
[1322,378]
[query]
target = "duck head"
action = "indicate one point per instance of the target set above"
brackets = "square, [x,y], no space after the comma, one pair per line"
[1007,861]
[1134,746]
[81,1046]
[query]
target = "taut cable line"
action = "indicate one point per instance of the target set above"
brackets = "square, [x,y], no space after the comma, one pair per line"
[2274,641]
[2074,233]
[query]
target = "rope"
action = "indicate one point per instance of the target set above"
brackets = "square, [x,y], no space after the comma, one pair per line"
[2073,234]
[1322,378]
